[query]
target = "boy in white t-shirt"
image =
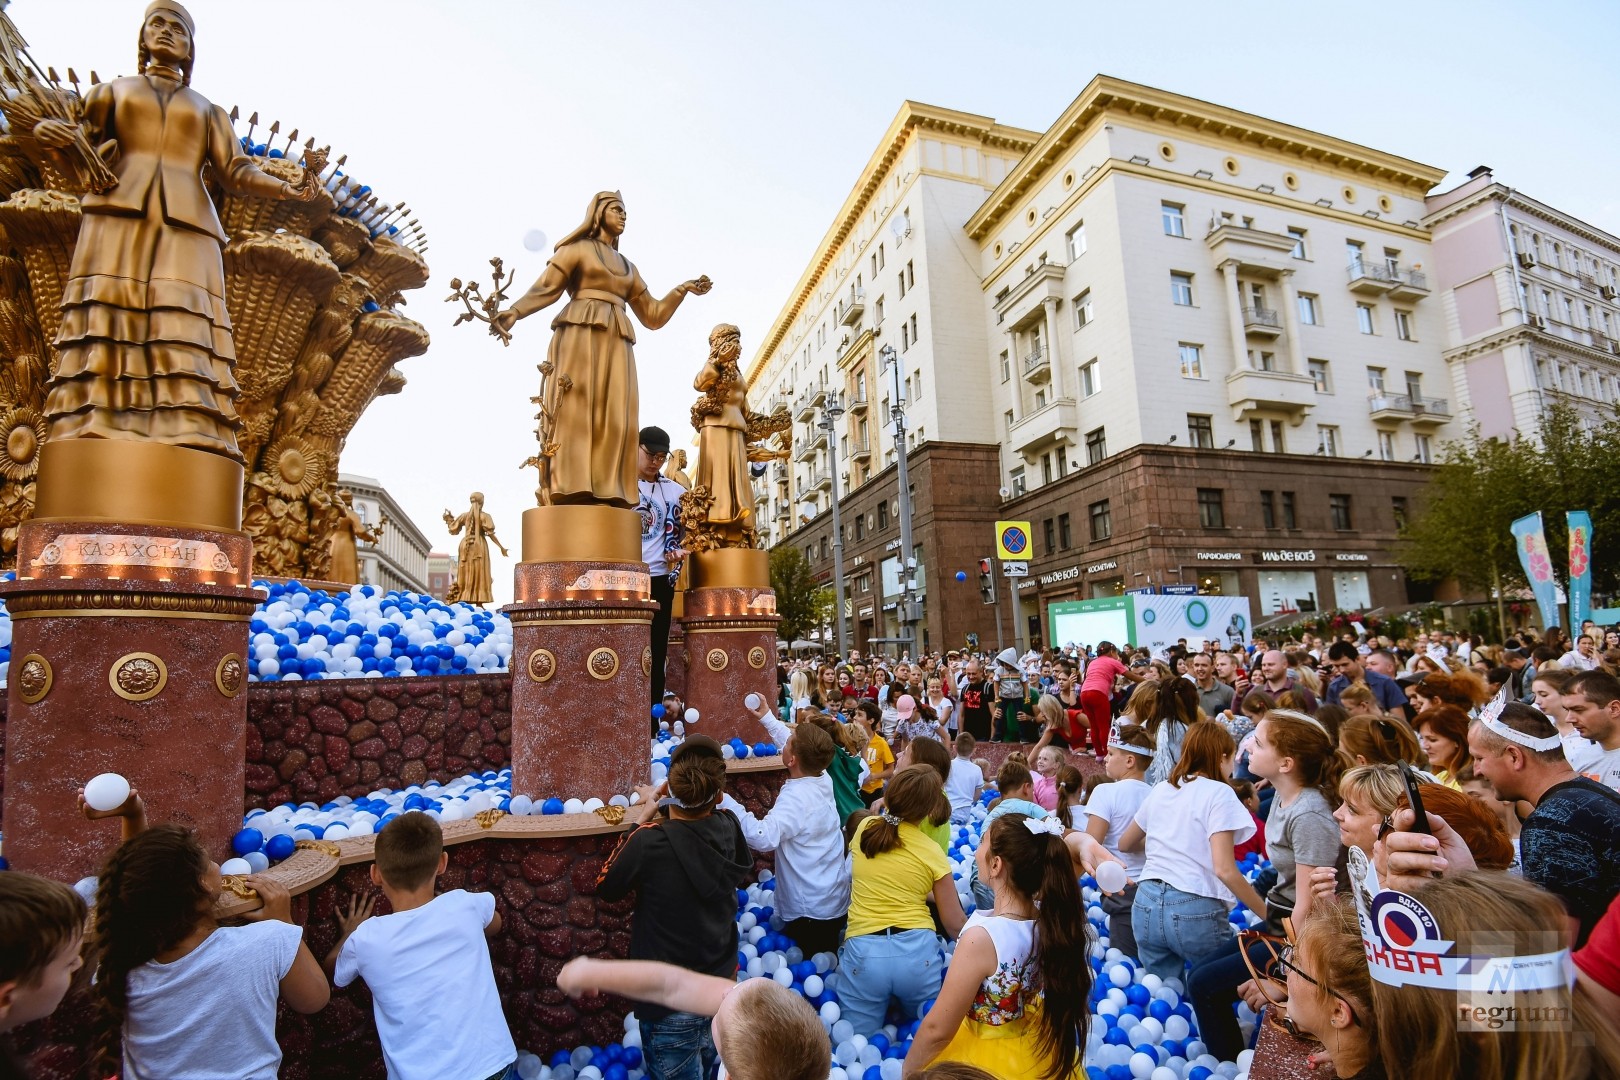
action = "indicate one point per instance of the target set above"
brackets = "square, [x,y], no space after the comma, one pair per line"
[1110,811]
[428,942]
[966,780]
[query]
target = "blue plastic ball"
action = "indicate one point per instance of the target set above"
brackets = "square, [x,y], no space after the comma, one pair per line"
[551,806]
[657,712]
[247,840]
[280,846]
[961,575]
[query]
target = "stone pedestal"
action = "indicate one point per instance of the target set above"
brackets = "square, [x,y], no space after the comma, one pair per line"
[730,626]
[130,623]
[581,654]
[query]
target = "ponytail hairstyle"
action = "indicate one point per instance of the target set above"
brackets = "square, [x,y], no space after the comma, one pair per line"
[1039,868]
[910,797]
[932,753]
[150,896]
[1178,704]
[1049,711]
[1318,761]
[1070,793]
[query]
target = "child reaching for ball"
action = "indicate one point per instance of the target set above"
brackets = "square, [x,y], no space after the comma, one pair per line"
[180,995]
[427,940]
[763,1030]
[1014,999]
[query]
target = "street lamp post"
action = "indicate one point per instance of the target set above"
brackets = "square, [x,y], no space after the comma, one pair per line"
[908,560]
[833,408]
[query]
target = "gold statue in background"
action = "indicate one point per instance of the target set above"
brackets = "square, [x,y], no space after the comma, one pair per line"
[474,584]
[675,469]
[589,406]
[346,534]
[718,511]
[145,350]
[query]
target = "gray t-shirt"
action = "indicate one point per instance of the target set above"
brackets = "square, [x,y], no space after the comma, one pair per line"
[1301,832]
[1216,699]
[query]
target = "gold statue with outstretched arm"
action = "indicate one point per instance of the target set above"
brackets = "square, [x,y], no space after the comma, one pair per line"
[346,535]
[474,583]
[588,398]
[145,349]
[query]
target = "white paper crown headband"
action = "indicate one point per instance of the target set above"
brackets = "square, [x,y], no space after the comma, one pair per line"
[1491,717]
[1405,948]
[1115,743]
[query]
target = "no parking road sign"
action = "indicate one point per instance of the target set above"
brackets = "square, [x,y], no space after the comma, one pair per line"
[1012,540]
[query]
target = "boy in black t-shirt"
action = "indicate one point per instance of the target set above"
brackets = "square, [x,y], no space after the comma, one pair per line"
[685,869]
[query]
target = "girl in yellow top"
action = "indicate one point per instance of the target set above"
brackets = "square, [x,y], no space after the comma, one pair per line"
[890,949]
[1014,1000]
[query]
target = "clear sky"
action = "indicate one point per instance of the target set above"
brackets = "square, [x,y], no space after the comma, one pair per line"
[735,130]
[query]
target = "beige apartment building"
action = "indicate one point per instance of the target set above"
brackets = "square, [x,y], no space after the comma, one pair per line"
[1531,300]
[1153,274]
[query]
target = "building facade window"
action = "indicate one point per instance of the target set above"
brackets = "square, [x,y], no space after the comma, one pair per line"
[1192,361]
[1327,440]
[1171,216]
[1077,241]
[1181,293]
[1006,367]
[1065,533]
[1403,324]
[1049,529]
[1339,511]
[1397,506]
[1308,312]
[1268,509]
[1019,485]
[1386,446]
[883,514]
[1200,431]
[1299,243]
[1319,376]
[1425,449]
[1096,446]
[1278,445]
[1257,436]
[1211,515]
[1082,309]
[1288,519]
[1102,523]
[1090,378]
[1364,318]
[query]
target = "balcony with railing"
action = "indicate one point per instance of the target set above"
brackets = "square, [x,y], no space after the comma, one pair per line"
[804,408]
[1419,411]
[1262,322]
[1408,284]
[1249,390]
[857,404]
[1038,366]
[852,308]
[820,480]
[860,450]
[1054,422]
[1370,277]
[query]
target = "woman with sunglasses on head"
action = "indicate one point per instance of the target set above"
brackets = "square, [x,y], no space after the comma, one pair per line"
[1330,993]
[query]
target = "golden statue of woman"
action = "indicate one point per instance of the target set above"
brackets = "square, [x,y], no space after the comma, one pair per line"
[588,402]
[145,348]
[350,529]
[719,509]
[474,585]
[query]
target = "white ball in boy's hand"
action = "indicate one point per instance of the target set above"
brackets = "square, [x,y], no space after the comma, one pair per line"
[752,702]
[106,792]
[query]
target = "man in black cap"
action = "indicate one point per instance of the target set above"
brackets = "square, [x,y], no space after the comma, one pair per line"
[660,542]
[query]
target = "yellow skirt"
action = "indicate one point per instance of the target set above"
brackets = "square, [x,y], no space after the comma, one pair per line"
[1009,1051]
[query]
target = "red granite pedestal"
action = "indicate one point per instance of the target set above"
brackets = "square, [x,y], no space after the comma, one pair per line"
[730,626]
[128,648]
[581,654]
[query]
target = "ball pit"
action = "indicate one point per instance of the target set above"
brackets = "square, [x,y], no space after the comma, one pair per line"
[1141,1028]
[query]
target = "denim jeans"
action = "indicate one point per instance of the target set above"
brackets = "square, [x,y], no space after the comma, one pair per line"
[1174,927]
[876,967]
[679,1047]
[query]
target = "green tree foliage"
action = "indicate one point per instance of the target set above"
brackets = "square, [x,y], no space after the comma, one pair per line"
[1481,486]
[802,603]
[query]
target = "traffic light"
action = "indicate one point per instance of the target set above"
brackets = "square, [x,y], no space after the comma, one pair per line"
[987,580]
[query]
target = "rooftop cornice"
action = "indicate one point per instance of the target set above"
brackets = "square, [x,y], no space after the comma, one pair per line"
[912,115]
[1108,96]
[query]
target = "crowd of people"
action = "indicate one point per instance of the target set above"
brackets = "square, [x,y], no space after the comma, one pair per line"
[1403,856]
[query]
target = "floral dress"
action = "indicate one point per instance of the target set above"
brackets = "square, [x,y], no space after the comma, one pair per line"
[1001,1032]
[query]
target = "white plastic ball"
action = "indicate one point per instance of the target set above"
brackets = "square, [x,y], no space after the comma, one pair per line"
[592,805]
[692,716]
[574,806]
[258,862]
[1111,877]
[534,240]
[235,866]
[1143,1066]
[106,792]
[752,702]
